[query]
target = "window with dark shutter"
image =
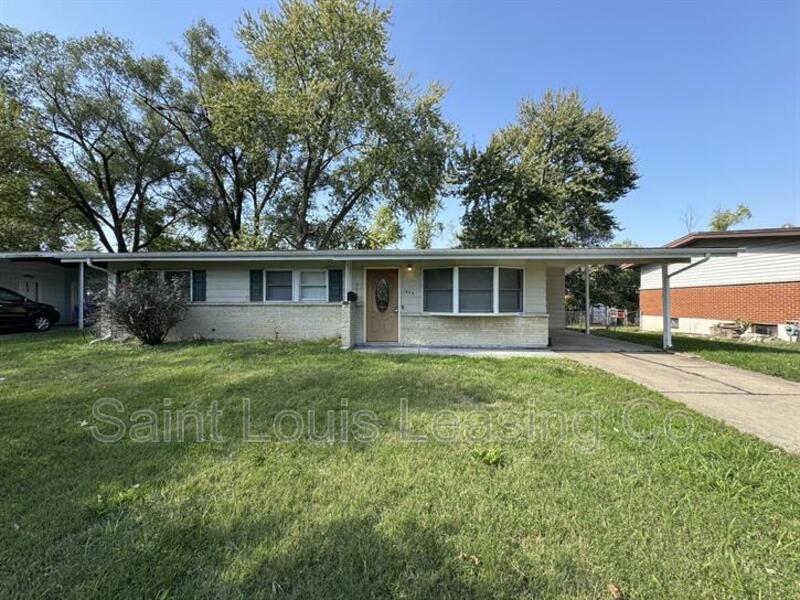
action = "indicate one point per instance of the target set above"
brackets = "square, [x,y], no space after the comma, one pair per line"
[278,286]
[335,285]
[198,286]
[256,286]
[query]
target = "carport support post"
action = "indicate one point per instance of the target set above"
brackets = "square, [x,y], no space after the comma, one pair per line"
[666,308]
[80,295]
[588,318]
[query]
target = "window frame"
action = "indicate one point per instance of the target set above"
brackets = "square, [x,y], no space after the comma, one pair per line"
[453,290]
[495,292]
[492,290]
[264,285]
[300,286]
[521,291]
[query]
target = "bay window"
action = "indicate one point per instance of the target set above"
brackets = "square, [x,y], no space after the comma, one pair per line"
[437,293]
[476,290]
[472,290]
[510,290]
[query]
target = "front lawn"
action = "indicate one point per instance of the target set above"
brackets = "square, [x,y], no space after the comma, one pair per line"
[504,503]
[781,359]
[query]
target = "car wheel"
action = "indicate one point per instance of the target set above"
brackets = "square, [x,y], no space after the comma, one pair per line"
[41,323]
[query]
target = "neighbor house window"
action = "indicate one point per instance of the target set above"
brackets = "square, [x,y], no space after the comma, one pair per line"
[184,279]
[278,286]
[437,290]
[476,290]
[509,282]
[314,286]
[763,329]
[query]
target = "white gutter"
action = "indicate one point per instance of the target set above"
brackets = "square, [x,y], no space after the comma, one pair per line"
[552,255]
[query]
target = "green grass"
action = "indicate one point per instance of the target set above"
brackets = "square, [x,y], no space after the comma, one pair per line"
[706,513]
[781,359]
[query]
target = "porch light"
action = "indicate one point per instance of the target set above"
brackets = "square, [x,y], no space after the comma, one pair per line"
[409,268]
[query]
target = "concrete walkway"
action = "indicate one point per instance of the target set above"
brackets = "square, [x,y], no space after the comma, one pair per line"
[765,406]
[458,351]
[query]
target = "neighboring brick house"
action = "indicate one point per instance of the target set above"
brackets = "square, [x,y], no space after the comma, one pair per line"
[441,297]
[760,285]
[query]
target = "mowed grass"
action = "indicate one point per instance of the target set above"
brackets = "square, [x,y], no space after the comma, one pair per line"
[703,513]
[781,359]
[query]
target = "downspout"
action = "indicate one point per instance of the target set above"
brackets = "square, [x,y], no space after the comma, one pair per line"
[666,304]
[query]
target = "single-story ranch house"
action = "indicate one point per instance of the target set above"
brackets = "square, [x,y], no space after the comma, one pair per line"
[761,285]
[452,297]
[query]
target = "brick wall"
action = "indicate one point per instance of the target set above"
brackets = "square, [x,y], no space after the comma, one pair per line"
[768,303]
[525,331]
[293,322]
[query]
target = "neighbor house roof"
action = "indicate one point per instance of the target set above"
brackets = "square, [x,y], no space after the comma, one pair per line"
[562,255]
[773,232]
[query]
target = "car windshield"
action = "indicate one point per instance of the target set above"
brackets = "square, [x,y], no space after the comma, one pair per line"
[9,296]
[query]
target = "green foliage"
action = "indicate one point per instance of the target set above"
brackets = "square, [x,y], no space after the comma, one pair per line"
[108,159]
[609,284]
[31,216]
[723,220]
[385,230]
[492,457]
[145,305]
[663,518]
[355,136]
[228,192]
[426,227]
[547,179]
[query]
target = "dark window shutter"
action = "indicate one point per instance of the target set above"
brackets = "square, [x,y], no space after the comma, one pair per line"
[256,286]
[198,286]
[335,285]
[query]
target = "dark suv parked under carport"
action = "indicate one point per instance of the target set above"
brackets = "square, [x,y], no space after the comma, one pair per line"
[18,312]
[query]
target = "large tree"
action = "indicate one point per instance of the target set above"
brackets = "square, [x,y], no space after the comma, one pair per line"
[610,285]
[229,191]
[30,216]
[357,137]
[546,180]
[723,220]
[108,159]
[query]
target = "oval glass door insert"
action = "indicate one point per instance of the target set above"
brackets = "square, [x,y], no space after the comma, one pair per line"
[382,295]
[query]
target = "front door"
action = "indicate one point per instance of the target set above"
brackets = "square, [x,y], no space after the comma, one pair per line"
[382,303]
[29,288]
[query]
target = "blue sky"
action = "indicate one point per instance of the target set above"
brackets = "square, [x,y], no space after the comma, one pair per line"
[706,93]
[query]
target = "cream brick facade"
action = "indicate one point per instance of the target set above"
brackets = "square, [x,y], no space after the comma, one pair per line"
[285,321]
[229,315]
[528,331]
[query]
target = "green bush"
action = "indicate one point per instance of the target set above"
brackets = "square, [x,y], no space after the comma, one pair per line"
[146,306]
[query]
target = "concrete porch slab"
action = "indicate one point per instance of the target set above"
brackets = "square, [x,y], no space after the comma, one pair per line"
[457,351]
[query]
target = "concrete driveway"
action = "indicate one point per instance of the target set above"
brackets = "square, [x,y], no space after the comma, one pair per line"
[765,406]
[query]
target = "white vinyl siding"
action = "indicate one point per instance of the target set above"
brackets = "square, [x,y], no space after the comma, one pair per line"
[762,261]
